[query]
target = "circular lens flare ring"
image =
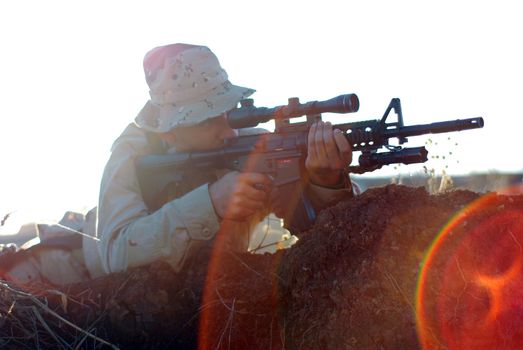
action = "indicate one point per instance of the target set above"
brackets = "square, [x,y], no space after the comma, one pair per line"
[470,288]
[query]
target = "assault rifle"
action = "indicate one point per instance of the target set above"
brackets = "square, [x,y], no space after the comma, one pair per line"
[282,153]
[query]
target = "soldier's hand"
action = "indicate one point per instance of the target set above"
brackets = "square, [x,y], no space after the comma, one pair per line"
[277,202]
[236,196]
[328,154]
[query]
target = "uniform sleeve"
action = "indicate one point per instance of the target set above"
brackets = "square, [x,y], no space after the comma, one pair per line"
[322,197]
[129,235]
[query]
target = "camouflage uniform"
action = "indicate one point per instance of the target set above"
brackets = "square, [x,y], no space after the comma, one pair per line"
[131,236]
[187,86]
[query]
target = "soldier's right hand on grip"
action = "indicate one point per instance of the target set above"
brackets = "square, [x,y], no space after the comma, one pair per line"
[237,196]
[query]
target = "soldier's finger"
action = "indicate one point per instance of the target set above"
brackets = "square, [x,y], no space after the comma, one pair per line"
[256,178]
[331,148]
[253,193]
[311,147]
[250,205]
[319,142]
[343,146]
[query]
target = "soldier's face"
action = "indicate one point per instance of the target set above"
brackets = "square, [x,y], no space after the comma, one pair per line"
[207,135]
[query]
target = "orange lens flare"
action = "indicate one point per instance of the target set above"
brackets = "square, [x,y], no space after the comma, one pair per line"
[470,291]
[220,252]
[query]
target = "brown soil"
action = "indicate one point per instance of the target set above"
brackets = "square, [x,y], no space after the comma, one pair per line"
[349,283]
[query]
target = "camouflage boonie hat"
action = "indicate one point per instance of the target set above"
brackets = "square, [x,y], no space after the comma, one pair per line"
[187,86]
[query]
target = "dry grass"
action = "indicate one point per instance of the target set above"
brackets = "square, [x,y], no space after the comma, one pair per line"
[29,319]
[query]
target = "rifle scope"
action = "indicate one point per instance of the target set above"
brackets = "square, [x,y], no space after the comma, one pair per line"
[247,115]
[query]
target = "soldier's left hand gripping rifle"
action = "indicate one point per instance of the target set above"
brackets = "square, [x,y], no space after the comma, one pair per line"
[282,153]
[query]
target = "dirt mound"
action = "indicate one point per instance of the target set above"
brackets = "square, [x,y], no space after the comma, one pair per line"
[357,292]
[359,279]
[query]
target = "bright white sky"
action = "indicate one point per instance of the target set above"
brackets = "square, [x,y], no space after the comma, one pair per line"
[72,79]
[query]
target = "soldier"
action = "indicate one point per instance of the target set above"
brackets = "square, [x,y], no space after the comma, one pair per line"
[190,96]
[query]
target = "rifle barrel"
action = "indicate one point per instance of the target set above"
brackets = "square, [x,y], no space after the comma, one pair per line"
[436,128]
